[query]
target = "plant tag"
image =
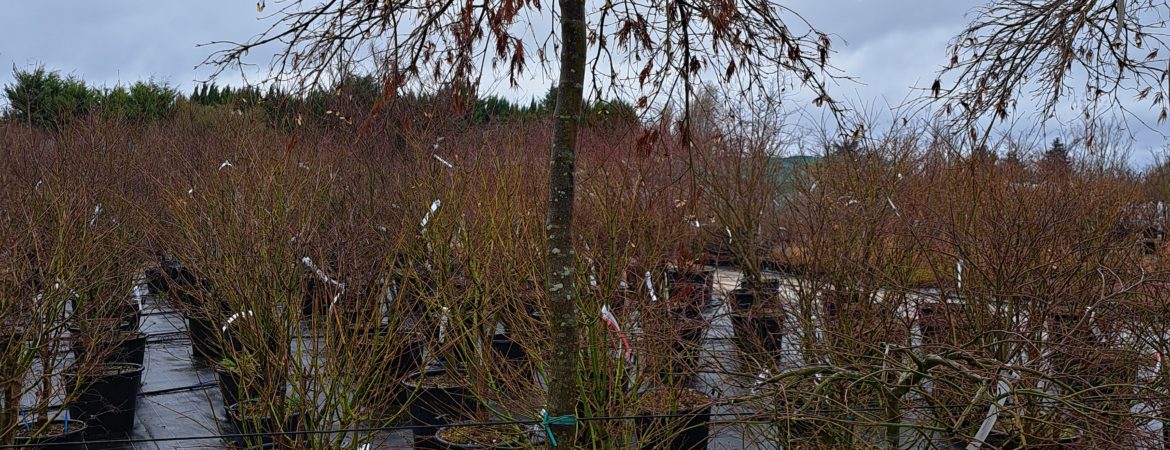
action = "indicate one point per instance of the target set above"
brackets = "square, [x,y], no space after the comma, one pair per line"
[97,210]
[443,325]
[233,318]
[308,262]
[959,273]
[611,320]
[445,163]
[650,287]
[427,217]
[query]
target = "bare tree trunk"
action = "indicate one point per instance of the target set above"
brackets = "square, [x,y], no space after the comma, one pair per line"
[562,384]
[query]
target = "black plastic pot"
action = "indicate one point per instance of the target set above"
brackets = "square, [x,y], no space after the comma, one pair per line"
[432,407]
[743,298]
[257,430]
[231,389]
[171,276]
[510,352]
[70,439]
[205,346]
[156,281]
[131,348]
[126,316]
[757,333]
[396,360]
[108,400]
[688,429]
[690,292]
[687,349]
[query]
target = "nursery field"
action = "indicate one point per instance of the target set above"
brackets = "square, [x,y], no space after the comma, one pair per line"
[182,401]
[216,280]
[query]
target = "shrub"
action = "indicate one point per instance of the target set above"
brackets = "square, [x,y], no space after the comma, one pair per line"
[143,102]
[44,99]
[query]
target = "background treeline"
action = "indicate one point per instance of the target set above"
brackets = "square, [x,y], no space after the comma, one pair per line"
[49,100]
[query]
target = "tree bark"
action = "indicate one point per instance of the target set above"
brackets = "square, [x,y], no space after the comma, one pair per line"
[562,384]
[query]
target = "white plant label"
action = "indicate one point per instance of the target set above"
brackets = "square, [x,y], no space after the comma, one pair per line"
[959,273]
[308,262]
[445,163]
[97,210]
[443,325]
[650,287]
[1001,388]
[233,318]
[612,321]
[427,217]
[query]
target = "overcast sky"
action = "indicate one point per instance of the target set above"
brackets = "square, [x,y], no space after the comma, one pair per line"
[888,45]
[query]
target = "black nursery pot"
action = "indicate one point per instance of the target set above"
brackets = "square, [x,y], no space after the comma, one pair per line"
[205,346]
[757,333]
[161,280]
[687,349]
[390,365]
[131,348]
[691,429]
[68,438]
[232,390]
[691,292]
[257,429]
[743,298]
[432,407]
[406,357]
[108,399]
[511,353]
[156,281]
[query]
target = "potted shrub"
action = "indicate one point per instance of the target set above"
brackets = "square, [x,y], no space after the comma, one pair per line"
[39,427]
[437,397]
[106,398]
[168,276]
[55,239]
[118,346]
[671,345]
[758,322]
[676,419]
[106,324]
[374,366]
[237,379]
[263,424]
[689,286]
[64,434]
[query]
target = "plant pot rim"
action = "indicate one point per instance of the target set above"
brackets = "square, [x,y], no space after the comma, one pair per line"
[135,368]
[410,380]
[76,426]
[233,410]
[74,329]
[682,411]
[517,443]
